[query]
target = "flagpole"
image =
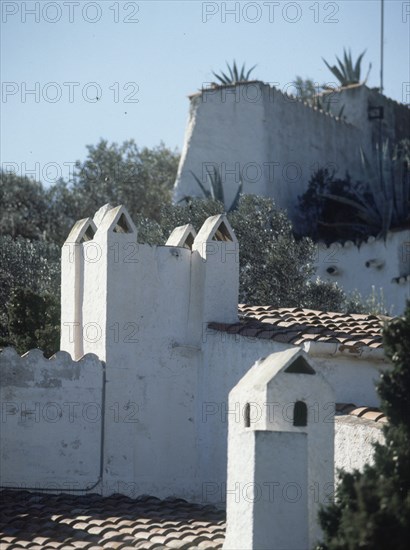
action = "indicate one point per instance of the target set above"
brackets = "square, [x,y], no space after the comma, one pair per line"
[381,46]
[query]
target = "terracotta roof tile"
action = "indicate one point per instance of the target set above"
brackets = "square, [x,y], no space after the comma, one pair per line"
[373,415]
[359,411]
[40,521]
[297,326]
[366,413]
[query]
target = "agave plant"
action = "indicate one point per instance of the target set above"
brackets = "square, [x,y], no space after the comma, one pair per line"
[385,200]
[216,190]
[234,76]
[346,73]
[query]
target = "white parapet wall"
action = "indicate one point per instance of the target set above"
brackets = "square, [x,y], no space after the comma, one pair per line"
[354,442]
[51,421]
[143,309]
[274,142]
[377,115]
[162,377]
[271,141]
[379,267]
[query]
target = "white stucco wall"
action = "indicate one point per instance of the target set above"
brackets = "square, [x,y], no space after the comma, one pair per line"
[353,378]
[274,142]
[354,440]
[357,99]
[51,421]
[382,264]
[144,311]
[226,358]
[267,491]
[272,392]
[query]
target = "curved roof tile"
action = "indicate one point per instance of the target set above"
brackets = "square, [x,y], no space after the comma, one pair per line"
[297,326]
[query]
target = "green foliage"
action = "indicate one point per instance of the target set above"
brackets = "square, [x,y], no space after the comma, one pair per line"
[372,508]
[26,265]
[31,264]
[394,389]
[141,179]
[34,321]
[347,73]
[120,174]
[23,207]
[307,90]
[390,184]
[338,209]
[325,296]
[310,92]
[62,212]
[171,216]
[321,218]
[275,268]
[34,222]
[234,77]
[372,305]
[216,189]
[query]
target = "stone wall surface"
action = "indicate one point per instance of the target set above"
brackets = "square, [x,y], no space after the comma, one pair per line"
[144,311]
[379,267]
[273,142]
[354,440]
[51,421]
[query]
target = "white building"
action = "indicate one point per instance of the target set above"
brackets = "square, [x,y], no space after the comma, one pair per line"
[171,343]
[274,143]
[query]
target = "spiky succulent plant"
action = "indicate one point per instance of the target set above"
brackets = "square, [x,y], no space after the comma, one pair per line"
[348,73]
[234,75]
[216,190]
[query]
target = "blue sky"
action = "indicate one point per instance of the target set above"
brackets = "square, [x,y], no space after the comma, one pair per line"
[158,52]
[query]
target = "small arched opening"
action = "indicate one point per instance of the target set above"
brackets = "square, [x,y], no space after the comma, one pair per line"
[247,415]
[300,414]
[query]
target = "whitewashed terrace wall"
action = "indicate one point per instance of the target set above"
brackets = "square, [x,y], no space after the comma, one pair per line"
[382,264]
[142,310]
[276,142]
[273,141]
[357,99]
[51,421]
[354,440]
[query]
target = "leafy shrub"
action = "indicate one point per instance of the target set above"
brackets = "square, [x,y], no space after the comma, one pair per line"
[34,321]
[338,209]
[275,267]
[24,264]
[372,508]
[322,218]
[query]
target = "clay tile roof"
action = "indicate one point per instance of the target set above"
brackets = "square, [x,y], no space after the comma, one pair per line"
[297,326]
[366,413]
[64,521]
